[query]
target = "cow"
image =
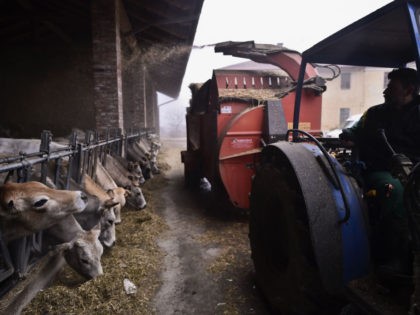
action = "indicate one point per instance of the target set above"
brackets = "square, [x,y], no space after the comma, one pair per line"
[108,217]
[133,168]
[98,211]
[107,179]
[146,150]
[136,154]
[154,151]
[121,175]
[106,182]
[27,208]
[82,249]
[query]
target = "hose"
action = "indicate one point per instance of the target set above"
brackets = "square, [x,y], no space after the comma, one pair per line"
[336,177]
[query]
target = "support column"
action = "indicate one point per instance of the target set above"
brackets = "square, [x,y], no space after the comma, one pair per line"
[143,97]
[107,67]
[137,101]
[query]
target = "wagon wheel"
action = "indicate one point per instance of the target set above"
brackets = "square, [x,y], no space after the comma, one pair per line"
[286,271]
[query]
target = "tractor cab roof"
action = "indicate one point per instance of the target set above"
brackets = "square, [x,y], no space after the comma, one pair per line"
[387,37]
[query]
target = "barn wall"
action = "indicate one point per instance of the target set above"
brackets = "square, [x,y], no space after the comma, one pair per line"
[92,78]
[48,87]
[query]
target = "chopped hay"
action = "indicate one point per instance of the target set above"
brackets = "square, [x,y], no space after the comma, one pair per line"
[233,240]
[231,268]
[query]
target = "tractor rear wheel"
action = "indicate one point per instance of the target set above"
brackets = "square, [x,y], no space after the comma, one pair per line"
[285,266]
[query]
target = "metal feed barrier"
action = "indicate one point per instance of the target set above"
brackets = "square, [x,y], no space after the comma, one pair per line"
[18,257]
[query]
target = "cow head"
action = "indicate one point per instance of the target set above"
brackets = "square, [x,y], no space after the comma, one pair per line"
[107,223]
[136,198]
[119,194]
[36,206]
[84,253]
[135,169]
[135,179]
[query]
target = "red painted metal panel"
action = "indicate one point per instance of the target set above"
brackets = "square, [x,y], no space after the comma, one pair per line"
[239,149]
[310,113]
[228,111]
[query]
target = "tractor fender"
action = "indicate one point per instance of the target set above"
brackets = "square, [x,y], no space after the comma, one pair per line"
[341,249]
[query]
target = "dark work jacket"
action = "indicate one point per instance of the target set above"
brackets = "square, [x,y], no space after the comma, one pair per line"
[402,129]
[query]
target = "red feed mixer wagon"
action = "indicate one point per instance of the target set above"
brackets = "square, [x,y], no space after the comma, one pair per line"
[242,108]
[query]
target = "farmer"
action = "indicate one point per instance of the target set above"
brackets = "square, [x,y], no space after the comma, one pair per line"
[399,119]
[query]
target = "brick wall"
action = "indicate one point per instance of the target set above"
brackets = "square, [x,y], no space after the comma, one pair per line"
[107,65]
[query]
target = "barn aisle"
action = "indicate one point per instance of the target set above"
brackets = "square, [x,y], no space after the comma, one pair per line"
[207,267]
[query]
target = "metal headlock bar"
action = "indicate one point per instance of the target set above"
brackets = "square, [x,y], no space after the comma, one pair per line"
[19,256]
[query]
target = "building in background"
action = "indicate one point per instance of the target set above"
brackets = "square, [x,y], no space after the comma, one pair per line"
[352,92]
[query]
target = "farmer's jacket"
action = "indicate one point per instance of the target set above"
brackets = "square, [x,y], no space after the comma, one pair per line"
[402,129]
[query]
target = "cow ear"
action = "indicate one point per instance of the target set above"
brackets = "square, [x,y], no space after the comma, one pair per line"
[109,203]
[127,193]
[61,248]
[80,243]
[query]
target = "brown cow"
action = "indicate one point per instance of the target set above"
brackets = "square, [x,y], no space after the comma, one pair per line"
[108,219]
[82,249]
[26,208]
[134,195]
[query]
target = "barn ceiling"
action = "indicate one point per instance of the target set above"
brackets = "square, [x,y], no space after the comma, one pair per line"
[164,30]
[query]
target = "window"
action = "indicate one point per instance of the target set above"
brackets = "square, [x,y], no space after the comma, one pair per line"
[345,81]
[344,114]
[386,80]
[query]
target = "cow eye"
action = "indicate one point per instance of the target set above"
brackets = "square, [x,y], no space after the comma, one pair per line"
[84,261]
[40,203]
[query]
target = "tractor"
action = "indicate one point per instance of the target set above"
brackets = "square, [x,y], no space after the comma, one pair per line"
[310,230]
